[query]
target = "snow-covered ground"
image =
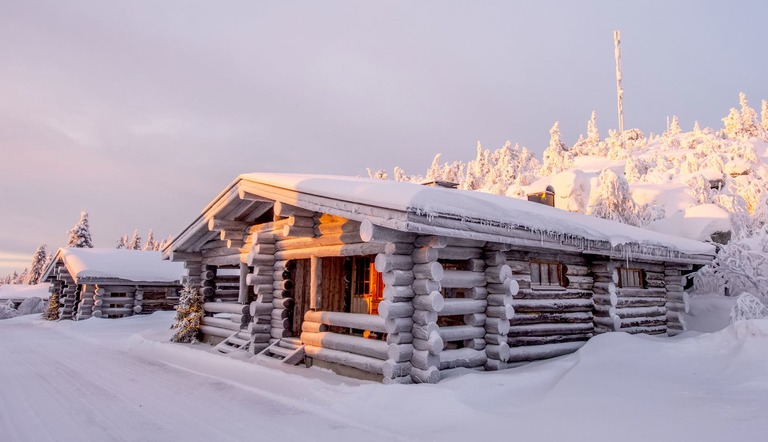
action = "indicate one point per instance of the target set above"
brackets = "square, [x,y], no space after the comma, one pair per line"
[122,380]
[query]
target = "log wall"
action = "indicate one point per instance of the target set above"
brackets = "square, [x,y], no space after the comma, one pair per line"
[677,298]
[447,303]
[629,309]
[549,321]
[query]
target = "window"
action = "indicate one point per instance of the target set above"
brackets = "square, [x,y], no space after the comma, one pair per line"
[367,286]
[547,274]
[630,277]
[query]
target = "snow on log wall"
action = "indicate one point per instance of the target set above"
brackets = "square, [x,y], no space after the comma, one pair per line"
[677,298]
[629,309]
[549,321]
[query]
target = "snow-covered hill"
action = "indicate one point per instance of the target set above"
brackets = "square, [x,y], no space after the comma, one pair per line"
[705,184]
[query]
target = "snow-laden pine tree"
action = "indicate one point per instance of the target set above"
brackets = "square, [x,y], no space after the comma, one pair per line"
[435,171]
[51,312]
[749,120]
[613,200]
[557,157]
[80,235]
[20,278]
[150,244]
[674,126]
[380,174]
[189,315]
[733,125]
[764,119]
[164,243]
[37,267]
[122,242]
[135,241]
[478,171]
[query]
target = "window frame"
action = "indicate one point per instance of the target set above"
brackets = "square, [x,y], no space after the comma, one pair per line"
[555,269]
[636,281]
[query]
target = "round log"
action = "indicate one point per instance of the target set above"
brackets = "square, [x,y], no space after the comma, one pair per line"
[396,369]
[389,309]
[424,359]
[424,317]
[387,263]
[425,286]
[398,293]
[429,376]
[372,233]
[399,248]
[431,270]
[499,352]
[433,302]
[400,352]
[398,277]
[398,325]
[461,333]
[346,343]
[498,274]
[462,279]
[424,255]
[433,345]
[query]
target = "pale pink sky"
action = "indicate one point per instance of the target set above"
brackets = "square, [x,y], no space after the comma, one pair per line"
[140,112]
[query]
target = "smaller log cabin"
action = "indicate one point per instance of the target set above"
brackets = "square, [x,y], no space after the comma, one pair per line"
[399,282]
[112,283]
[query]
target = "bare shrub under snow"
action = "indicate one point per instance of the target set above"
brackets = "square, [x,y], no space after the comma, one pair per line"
[748,307]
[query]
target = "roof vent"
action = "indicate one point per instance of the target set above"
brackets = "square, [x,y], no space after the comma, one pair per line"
[440,183]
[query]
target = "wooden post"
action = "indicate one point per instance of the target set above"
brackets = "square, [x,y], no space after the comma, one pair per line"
[315,283]
[242,296]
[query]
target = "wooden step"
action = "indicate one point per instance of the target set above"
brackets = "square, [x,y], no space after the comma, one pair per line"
[281,351]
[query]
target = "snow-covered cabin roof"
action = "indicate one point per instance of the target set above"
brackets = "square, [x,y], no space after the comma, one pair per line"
[435,210]
[87,265]
[17,292]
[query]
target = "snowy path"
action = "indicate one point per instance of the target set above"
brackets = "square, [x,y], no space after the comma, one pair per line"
[121,380]
[61,386]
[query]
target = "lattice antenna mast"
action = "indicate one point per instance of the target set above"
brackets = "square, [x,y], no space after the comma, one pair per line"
[619,90]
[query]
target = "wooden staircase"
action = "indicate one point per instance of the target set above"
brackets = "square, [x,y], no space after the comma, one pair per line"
[236,341]
[287,350]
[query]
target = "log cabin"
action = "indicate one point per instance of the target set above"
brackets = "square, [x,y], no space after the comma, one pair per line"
[112,283]
[399,282]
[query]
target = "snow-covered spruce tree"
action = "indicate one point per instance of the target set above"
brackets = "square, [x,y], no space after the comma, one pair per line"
[764,119]
[150,244]
[733,125]
[189,315]
[380,174]
[479,171]
[556,157]
[51,312]
[748,118]
[122,242]
[613,200]
[37,267]
[80,235]
[135,241]
[674,126]
[20,278]
[164,243]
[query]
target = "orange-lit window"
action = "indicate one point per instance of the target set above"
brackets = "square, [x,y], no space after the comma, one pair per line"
[367,286]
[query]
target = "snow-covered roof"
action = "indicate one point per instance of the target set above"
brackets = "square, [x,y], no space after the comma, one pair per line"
[117,264]
[24,291]
[471,207]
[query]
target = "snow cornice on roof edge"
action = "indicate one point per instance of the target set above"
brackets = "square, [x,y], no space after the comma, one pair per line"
[458,213]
